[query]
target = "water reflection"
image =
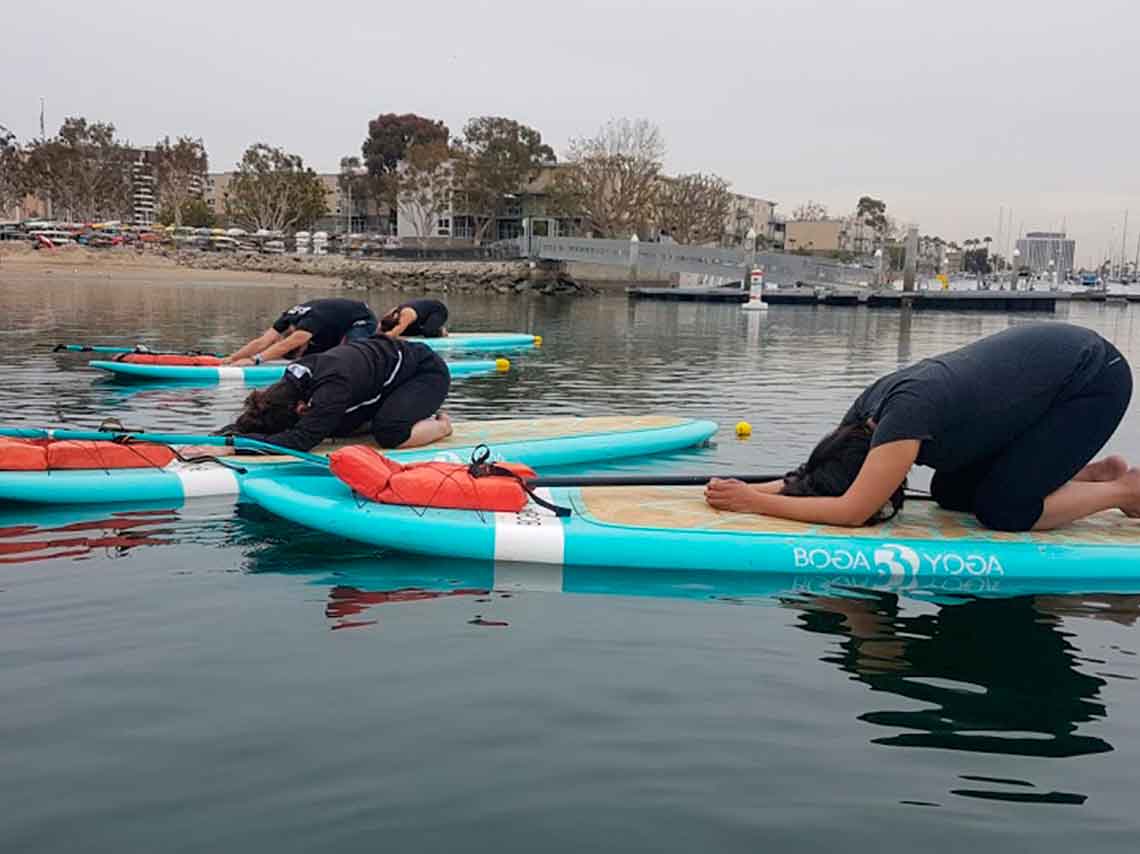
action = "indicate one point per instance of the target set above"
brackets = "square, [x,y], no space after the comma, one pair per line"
[995,675]
[76,533]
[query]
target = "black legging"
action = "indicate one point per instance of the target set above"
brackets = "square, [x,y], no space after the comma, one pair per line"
[415,399]
[1007,492]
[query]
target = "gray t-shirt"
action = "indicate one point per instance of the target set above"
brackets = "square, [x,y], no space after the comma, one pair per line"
[966,405]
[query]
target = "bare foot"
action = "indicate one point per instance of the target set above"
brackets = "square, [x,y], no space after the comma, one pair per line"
[1110,468]
[444,418]
[1131,505]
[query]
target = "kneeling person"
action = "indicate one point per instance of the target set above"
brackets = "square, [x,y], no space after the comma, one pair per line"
[392,388]
[424,317]
[1009,423]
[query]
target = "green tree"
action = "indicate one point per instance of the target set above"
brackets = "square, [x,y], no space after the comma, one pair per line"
[612,180]
[872,213]
[193,213]
[83,170]
[389,136]
[11,171]
[496,158]
[274,190]
[180,169]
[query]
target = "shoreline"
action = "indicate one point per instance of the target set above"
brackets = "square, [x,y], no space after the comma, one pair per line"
[89,265]
[329,272]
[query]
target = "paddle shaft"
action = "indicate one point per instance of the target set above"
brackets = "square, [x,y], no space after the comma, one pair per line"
[161,439]
[665,480]
[108,348]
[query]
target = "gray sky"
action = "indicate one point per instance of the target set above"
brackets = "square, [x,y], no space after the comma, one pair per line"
[944,110]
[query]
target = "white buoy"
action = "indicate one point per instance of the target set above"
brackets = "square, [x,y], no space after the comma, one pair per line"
[755,291]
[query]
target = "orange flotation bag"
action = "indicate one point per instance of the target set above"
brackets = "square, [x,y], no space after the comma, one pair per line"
[431,484]
[168,359]
[23,454]
[43,455]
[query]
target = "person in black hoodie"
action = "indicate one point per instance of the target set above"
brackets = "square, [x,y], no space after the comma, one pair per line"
[394,388]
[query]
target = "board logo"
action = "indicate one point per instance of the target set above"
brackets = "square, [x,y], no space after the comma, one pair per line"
[897,560]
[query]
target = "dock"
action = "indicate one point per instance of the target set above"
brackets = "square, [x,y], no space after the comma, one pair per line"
[690,294]
[995,301]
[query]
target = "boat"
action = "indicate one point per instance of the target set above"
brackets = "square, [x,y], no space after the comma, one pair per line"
[672,528]
[253,375]
[542,442]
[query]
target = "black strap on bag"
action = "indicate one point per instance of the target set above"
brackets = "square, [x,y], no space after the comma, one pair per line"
[481,466]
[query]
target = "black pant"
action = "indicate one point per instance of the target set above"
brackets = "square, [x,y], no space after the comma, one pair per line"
[418,397]
[432,325]
[1007,492]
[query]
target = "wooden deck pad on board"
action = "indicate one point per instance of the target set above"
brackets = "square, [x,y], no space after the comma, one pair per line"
[496,432]
[684,507]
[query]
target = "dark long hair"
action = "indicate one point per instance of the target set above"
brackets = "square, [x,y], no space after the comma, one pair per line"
[270,410]
[388,322]
[833,466]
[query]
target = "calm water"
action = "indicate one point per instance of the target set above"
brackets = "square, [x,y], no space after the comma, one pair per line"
[205,678]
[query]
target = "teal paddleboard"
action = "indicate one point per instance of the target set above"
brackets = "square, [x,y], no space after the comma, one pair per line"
[672,528]
[254,375]
[542,442]
[453,341]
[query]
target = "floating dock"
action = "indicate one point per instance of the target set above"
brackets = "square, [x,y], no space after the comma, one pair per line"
[690,294]
[998,301]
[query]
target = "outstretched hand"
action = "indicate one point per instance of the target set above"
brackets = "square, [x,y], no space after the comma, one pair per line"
[730,494]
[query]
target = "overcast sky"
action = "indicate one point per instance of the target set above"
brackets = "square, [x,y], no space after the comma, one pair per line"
[944,110]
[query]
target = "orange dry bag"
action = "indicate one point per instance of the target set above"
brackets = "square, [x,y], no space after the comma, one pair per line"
[23,455]
[42,455]
[168,359]
[433,484]
[107,455]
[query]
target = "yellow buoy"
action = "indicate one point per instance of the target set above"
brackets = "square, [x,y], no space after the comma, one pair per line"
[502,364]
[537,340]
[743,429]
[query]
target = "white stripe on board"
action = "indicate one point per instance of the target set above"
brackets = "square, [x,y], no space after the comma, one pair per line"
[229,374]
[201,479]
[533,535]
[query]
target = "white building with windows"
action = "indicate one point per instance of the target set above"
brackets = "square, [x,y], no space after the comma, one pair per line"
[1047,251]
[144,187]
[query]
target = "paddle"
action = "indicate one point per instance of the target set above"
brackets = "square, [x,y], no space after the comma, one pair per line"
[665,480]
[161,439]
[138,348]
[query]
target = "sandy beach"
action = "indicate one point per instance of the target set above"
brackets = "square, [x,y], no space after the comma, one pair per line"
[17,260]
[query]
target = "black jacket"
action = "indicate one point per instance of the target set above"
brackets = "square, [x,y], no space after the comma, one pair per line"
[345,379]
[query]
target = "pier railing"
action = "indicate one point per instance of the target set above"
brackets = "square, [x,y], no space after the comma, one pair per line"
[722,265]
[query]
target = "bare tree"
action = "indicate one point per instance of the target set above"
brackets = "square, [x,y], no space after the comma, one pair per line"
[424,183]
[274,190]
[611,179]
[810,212]
[84,170]
[180,169]
[694,208]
